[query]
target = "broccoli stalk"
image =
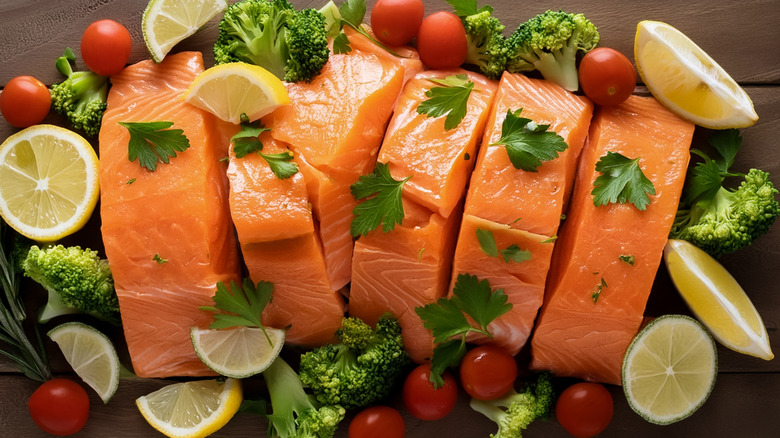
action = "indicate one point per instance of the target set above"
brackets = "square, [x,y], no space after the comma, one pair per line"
[362,369]
[294,414]
[77,281]
[291,44]
[549,43]
[81,97]
[515,411]
[487,47]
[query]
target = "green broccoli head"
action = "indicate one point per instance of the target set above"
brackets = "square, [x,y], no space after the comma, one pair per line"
[82,99]
[272,34]
[487,48]
[732,219]
[362,369]
[515,411]
[549,43]
[78,281]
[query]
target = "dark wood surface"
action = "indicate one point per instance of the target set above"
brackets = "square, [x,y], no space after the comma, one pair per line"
[741,36]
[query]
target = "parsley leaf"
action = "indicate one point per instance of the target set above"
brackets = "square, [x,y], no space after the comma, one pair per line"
[707,177]
[627,258]
[240,305]
[464,8]
[281,164]
[598,290]
[622,181]
[527,143]
[245,140]
[341,44]
[159,260]
[515,254]
[487,242]
[151,142]
[450,99]
[449,326]
[383,205]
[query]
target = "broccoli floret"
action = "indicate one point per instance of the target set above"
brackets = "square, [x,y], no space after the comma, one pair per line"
[515,411]
[294,414]
[487,47]
[549,43]
[291,44]
[81,97]
[362,369]
[77,280]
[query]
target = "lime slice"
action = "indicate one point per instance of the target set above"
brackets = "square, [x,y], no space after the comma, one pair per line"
[716,299]
[191,409]
[48,182]
[167,22]
[669,369]
[91,354]
[229,90]
[687,80]
[240,352]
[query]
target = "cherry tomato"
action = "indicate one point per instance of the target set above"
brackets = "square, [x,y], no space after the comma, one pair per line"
[25,101]
[423,400]
[487,372]
[395,22]
[59,407]
[607,77]
[105,47]
[441,40]
[584,409]
[377,422]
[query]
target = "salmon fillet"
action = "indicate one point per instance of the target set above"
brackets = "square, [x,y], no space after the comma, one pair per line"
[178,213]
[519,207]
[585,336]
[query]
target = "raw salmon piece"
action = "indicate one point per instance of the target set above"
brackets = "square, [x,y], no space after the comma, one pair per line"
[521,208]
[177,214]
[406,268]
[440,160]
[585,336]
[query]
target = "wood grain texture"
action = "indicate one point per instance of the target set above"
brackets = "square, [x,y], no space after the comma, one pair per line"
[742,36]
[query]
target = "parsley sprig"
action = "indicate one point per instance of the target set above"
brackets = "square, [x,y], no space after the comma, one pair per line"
[527,143]
[446,319]
[153,142]
[451,98]
[383,203]
[622,181]
[707,176]
[513,253]
[240,305]
[246,141]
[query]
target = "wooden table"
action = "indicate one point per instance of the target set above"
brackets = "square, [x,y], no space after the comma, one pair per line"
[742,36]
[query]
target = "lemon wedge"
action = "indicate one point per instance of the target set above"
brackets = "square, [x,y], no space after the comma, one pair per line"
[48,182]
[191,409]
[669,369]
[165,23]
[229,90]
[240,352]
[687,80]
[717,300]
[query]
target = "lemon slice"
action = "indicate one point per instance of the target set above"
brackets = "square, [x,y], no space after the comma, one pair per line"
[669,369]
[687,80]
[48,182]
[91,354]
[240,352]
[229,90]
[716,299]
[191,409]
[167,22]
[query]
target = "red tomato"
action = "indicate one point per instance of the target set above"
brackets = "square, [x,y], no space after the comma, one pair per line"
[607,77]
[377,422]
[442,41]
[584,409]
[395,22]
[487,372]
[105,47]
[59,407]
[25,101]
[423,400]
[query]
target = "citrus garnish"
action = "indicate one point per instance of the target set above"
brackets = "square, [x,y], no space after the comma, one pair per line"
[229,90]
[91,354]
[191,409]
[167,22]
[687,80]
[669,369]
[48,182]
[717,300]
[240,352]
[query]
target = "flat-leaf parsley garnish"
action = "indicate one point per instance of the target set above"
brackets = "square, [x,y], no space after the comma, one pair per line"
[622,181]
[513,253]
[240,305]
[153,142]
[450,99]
[246,141]
[527,143]
[382,203]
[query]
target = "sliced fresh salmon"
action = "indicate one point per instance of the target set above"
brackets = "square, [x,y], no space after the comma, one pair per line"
[167,234]
[595,298]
